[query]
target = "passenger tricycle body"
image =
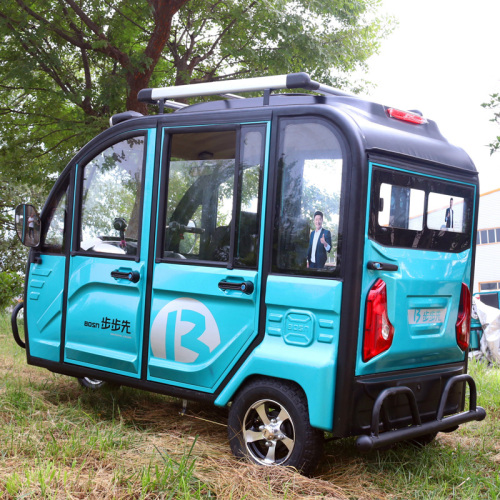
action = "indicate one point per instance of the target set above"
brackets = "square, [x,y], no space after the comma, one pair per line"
[179,254]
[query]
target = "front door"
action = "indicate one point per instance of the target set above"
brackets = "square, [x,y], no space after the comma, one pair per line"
[107,276]
[206,281]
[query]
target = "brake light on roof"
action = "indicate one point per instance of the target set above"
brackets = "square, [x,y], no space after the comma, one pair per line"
[379,331]
[463,319]
[406,116]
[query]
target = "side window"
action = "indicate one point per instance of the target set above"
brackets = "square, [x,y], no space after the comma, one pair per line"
[401,207]
[248,223]
[306,229]
[54,240]
[212,206]
[446,212]
[416,211]
[111,199]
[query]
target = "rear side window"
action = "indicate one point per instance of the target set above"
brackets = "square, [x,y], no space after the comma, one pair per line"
[417,211]
[308,208]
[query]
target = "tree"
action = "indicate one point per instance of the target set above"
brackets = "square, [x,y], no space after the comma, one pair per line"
[68,65]
[494,104]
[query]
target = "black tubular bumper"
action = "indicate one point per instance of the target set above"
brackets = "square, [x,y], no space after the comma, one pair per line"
[13,322]
[377,440]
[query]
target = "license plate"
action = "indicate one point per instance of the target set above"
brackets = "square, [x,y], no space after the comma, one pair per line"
[426,316]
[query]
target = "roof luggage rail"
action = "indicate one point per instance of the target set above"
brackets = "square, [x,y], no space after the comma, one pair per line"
[265,83]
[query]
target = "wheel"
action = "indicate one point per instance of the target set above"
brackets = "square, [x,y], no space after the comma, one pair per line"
[269,424]
[91,383]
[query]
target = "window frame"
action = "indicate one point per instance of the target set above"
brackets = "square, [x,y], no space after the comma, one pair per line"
[241,130]
[426,239]
[275,198]
[77,210]
[55,197]
[486,232]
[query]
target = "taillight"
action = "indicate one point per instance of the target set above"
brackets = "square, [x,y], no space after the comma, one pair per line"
[378,329]
[406,116]
[463,320]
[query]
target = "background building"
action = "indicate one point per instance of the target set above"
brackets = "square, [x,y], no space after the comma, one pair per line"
[487,270]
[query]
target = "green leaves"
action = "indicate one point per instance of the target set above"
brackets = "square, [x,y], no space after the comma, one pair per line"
[66,66]
[494,104]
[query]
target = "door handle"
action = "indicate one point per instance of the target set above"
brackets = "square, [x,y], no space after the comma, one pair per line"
[245,286]
[133,276]
[381,266]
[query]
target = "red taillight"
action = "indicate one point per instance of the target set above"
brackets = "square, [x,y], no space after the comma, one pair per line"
[463,320]
[406,116]
[378,329]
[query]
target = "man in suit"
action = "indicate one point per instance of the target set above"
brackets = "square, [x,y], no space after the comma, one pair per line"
[448,218]
[320,242]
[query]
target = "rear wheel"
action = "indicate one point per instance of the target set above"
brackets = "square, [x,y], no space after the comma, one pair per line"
[91,383]
[269,424]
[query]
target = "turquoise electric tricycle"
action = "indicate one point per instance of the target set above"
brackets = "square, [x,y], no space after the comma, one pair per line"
[302,258]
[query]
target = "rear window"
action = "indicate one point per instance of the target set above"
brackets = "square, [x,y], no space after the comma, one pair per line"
[417,211]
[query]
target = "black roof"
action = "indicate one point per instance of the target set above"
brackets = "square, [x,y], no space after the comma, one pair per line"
[377,131]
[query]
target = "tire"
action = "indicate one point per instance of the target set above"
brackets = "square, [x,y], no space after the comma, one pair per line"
[91,383]
[269,424]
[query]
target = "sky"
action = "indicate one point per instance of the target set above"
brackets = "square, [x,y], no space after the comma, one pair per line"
[443,59]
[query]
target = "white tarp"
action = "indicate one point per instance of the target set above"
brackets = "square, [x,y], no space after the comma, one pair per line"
[489,318]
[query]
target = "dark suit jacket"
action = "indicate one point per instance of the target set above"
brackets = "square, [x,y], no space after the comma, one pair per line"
[449,218]
[320,256]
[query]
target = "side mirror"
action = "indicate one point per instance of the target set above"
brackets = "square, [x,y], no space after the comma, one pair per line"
[28,226]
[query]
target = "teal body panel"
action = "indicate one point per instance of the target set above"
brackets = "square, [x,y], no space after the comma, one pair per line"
[196,337]
[105,316]
[476,332]
[44,305]
[432,283]
[423,298]
[300,343]
[198,331]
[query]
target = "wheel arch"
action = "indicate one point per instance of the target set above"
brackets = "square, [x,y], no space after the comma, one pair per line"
[316,381]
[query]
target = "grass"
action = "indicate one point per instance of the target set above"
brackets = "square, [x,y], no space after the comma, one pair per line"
[60,441]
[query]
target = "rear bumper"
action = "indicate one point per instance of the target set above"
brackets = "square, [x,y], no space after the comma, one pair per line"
[375,439]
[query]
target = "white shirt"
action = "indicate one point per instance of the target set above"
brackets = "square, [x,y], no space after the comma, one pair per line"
[315,244]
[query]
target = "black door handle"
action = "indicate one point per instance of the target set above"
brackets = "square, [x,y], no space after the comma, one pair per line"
[381,266]
[245,287]
[132,276]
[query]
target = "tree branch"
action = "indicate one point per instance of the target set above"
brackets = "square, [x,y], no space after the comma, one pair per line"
[116,9]
[74,41]
[62,141]
[109,49]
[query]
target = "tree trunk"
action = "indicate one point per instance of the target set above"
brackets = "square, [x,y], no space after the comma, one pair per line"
[163,12]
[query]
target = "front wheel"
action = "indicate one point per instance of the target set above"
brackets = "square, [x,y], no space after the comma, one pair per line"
[269,423]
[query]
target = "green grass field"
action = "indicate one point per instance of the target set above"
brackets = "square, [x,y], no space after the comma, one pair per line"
[60,441]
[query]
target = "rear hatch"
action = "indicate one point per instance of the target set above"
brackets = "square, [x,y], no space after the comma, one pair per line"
[417,268]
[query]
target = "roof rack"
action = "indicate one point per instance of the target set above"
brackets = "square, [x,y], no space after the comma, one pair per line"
[266,83]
